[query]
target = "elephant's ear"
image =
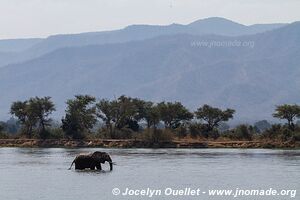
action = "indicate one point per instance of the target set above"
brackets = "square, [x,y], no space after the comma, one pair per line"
[109,158]
[94,154]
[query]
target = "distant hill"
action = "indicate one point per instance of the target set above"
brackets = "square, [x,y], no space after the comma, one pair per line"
[172,67]
[29,49]
[17,45]
[11,48]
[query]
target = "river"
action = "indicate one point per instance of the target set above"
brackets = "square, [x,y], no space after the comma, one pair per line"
[42,174]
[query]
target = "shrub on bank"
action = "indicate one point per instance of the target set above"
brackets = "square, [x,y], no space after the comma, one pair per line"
[4,135]
[182,131]
[198,130]
[56,133]
[282,133]
[296,136]
[155,135]
[241,132]
[123,133]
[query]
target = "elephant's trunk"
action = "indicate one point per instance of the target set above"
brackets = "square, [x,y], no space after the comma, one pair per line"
[110,163]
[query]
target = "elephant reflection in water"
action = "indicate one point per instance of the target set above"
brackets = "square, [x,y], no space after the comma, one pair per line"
[92,161]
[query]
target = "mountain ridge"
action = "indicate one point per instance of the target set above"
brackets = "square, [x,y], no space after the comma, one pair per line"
[250,80]
[218,26]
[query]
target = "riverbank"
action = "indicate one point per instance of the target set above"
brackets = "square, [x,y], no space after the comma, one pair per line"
[130,143]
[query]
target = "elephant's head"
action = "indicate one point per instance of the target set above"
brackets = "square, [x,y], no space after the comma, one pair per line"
[103,157]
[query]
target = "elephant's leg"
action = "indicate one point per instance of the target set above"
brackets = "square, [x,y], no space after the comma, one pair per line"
[77,166]
[92,167]
[99,166]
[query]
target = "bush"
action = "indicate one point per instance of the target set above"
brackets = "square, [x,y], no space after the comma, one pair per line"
[282,133]
[285,134]
[4,135]
[123,133]
[156,135]
[272,132]
[296,136]
[241,132]
[197,129]
[214,134]
[181,131]
[103,133]
[55,133]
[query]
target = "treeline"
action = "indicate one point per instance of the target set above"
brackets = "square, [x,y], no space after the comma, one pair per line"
[127,117]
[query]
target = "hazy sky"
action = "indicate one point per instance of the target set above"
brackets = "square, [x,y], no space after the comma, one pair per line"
[40,18]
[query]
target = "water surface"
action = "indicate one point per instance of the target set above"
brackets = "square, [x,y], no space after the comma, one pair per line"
[41,174]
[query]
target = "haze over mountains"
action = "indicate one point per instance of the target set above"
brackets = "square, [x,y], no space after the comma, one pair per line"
[161,63]
[12,51]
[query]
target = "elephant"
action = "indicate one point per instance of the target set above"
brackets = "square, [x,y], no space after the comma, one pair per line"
[92,161]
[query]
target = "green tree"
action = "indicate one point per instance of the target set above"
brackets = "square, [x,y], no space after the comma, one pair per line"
[33,113]
[80,116]
[3,133]
[289,113]
[243,132]
[1,127]
[106,111]
[123,113]
[141,108]
[152,118]
[26,116]
[152,115]
[173,114]
[41,108]
[213,116]
[126,114]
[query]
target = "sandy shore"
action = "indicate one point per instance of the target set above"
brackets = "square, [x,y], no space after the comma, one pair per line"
[112,143]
